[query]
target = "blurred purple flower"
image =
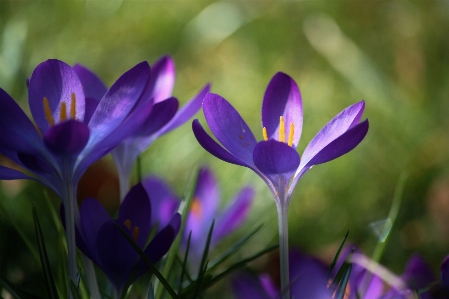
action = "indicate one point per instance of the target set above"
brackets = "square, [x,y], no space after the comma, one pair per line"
[275,158]
[308,281]
[204,210]
[100,239]
[164,116]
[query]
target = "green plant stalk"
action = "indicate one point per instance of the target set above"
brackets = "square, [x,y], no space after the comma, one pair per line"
[282,209]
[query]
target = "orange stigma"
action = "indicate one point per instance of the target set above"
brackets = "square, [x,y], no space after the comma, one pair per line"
[196,208]
[127,223]
[135,233]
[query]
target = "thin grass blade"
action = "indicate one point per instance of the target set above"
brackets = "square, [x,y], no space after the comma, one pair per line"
[337,254]
[48,276]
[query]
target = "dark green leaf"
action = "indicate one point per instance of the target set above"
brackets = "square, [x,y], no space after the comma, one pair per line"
[48,276]
[14,291]
[184,263]
[337,254]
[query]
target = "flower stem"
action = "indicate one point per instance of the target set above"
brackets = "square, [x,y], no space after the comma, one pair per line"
[282,209]
[91,278]
[70,212]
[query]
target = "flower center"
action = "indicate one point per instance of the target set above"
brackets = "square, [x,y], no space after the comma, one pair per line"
[196,208]
[282,132]
[62,110]
[135,231]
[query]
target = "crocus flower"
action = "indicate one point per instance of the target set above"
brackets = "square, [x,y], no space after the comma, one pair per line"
[164,116]
[68,134]
[103,243]
[275,158]
[308,280]
[204,210]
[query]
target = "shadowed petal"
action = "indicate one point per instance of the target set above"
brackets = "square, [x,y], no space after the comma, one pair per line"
[282,98]
[116,254]
[93,87]
[67,138]
[341,145]
[57,82]
[444,273]
[160,115]
[345,120]
[92,218]
[162,79]
[229,128]
[162,242]
[136,208]
[234,215]
[186,112]
[213,147]
[246,286]
[420,273]
[274,157]
[118,101]
[18,132]
[11,174]
[164,202]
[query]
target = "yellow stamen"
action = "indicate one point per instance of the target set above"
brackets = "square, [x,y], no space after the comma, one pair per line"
[196,208]
[264,132]
[135,233]
[127,223]
[63,112]
[281,129]
[48,114]
[290,134]
[38,131]
[73,107]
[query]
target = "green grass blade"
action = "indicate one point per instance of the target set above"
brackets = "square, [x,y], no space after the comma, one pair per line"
[184,263]
[152,267]
[16,293]
[341,289]
[48,276]
[397,198]
[74,290]
[227,254]
[185,208]
[337,254]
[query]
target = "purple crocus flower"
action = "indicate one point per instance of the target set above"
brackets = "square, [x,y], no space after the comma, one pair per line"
[275,158]
[68,134]
[204,210]
[103,243]
[308,280]
[164,116]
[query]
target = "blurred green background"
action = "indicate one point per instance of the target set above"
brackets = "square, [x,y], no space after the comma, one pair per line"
[394,55]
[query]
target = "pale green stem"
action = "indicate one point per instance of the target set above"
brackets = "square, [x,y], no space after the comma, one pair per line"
[124,181]
[91,278]
[71,213]
[282,209]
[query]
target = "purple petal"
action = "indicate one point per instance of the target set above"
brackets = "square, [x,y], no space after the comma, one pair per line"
[93,87]
[308,277]
[341,145]
[118,102]
[116,254]
[11,174]
[162,79]
[206,200]
[162,242]
[91,105]
[164,202]
[92,218]
[67,138]
[246,286]
[341,123]
[186,112]
[229,128]
[136,209]
[57,82]
[213,147]
[420,273]
[282,98]
[235,214]
[160,115]
[35,163]
[18,132]
[274,157]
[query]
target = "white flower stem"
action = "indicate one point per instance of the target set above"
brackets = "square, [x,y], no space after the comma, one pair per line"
[282,209]
[91,278]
